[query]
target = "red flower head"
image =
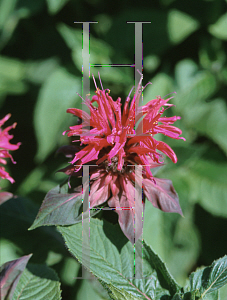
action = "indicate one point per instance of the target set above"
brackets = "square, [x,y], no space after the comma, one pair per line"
[111,142]
[5,146]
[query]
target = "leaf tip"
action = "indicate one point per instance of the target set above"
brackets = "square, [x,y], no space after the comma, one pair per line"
[32,227]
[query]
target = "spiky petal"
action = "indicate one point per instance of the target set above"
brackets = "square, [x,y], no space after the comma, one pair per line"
[109,139]
[5,147]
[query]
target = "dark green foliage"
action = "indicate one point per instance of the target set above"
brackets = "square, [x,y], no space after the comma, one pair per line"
[185,50]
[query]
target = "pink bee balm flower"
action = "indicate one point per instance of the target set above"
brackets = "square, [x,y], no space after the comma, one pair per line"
[5,147]
[109,139]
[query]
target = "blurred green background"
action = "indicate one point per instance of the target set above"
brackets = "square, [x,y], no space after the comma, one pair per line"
[185,50]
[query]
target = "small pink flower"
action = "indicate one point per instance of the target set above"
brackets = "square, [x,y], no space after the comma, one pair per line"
[5,147]
[109,139]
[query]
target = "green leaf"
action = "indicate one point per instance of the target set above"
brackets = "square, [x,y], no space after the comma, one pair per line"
[212,296]
[18,214]
[208,185]
[180,26]
[57,94]
[209,119]
[39,72]
[55,5]
[178,297]
[91,288]
[32,181]
[219,28]
[117,294]
[157,40]
[110,257]
[151,63]
[12,73]
[196,295]
[10,273]
[153,229]
[9,251]
[10,15]
[58,208]
[199,86]
[100,53]
[161,83]
[196,279]
[70,271]
[185,72]
[11,68]
[174,238]
[38,282]
[163,274]
[223,292]
[210,279]
[61,208]
[6,8]
[217,276]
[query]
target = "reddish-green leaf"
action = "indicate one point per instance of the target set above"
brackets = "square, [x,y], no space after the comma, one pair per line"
[162,195]
[10,273]
[60,208]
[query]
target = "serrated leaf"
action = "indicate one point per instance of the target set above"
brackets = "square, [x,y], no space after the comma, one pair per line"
[158,232]
[38,282]
[60,208]
[177,297]
[118,294]
[91,288]
[162,195]
[196,280]
[110,257]
[217,276]
[55,5]
[196,295]
[109,288]
[193,295]
[57,94]
[180,25]
[212,296]
[219,28]
[10,273]
[164,277]
[208,280]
